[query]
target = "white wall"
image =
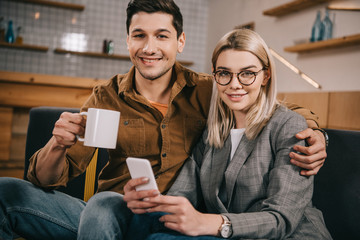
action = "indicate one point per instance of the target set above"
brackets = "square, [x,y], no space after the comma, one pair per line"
[335,70]
[100,20]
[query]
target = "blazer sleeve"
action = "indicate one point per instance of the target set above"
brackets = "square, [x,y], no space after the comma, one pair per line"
[287,194]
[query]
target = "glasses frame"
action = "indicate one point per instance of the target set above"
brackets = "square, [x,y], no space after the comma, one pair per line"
[238,76]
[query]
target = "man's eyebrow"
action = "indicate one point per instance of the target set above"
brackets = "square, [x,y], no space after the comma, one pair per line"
[163,30]
[136,30]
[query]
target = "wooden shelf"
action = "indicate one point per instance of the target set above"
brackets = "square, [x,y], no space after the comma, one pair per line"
[326,44]
[24,46]
[104,55]
[92,54]
[293,6]
[71,6]
[345,5]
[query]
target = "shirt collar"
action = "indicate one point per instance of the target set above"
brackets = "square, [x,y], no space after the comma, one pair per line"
[183,77]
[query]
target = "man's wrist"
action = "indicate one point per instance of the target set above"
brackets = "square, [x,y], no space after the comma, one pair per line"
[326,137]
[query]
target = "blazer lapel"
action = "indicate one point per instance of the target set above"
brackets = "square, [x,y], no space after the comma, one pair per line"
[215,172]
[241,154]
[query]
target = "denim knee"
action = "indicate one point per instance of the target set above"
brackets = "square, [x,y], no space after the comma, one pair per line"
[36,213]
[12,189]
[105,216]
[104,203]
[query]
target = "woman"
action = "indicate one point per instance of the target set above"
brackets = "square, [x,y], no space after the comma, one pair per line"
[240,171]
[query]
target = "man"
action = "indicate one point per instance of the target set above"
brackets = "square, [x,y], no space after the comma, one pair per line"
[163,108]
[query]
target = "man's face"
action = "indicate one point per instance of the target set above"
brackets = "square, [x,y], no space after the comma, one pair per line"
[153,44]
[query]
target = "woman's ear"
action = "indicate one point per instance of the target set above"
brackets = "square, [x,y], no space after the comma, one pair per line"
[212,70]
[267,76]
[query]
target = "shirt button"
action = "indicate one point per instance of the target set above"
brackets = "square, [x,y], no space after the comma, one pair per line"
[126,123]
[163,126]
[163,155]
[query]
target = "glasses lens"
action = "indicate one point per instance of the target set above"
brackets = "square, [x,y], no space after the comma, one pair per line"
[223,77]
[246,77]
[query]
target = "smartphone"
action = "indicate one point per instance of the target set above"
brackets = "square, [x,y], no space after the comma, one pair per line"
[140,167]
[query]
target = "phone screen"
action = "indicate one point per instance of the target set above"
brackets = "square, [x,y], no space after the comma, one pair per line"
[140,167]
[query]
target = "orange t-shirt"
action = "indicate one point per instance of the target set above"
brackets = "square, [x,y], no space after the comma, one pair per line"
[161,107]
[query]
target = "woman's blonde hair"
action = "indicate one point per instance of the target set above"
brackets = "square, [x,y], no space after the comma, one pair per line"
[221,118]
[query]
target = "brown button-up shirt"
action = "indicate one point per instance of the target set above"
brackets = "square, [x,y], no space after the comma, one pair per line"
[144,132]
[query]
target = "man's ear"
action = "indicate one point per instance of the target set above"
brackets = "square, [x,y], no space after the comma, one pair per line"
[127,42]
[181,42]
[267,77]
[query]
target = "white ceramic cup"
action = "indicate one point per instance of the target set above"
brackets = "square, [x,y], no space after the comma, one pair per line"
[101,128]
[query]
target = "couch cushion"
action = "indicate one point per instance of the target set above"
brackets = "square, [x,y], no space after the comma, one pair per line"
[337,185]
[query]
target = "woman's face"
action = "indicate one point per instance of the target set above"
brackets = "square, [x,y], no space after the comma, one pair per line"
[236,96]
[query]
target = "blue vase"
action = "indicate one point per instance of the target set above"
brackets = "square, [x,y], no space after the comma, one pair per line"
[317,29]
[328,27]
[9,36]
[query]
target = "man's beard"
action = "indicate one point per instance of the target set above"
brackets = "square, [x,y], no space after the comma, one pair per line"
[154,76]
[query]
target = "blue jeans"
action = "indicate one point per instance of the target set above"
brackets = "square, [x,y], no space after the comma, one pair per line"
[34,213]
[177,236]
[106,216]
[148,226]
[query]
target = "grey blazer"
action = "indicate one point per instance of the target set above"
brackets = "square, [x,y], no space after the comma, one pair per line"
[267,197]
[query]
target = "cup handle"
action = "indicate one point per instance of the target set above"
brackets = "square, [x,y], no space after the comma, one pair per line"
[77,136]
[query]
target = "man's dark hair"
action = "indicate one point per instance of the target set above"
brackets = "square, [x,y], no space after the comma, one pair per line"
[152,6]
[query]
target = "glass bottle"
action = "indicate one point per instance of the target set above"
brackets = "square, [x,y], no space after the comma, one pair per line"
[317,29]
[105,46]
[110,47]
[19,38]
[9,37]
[328,27]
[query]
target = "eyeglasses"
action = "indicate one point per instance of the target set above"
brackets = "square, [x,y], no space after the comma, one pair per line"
[223,77]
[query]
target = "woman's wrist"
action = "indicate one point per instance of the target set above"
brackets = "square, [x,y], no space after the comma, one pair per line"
[211,224]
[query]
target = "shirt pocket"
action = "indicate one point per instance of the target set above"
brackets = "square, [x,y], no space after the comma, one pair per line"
[193,129]
[131,137]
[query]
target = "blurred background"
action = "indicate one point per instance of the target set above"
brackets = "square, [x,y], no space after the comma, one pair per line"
[53,52]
